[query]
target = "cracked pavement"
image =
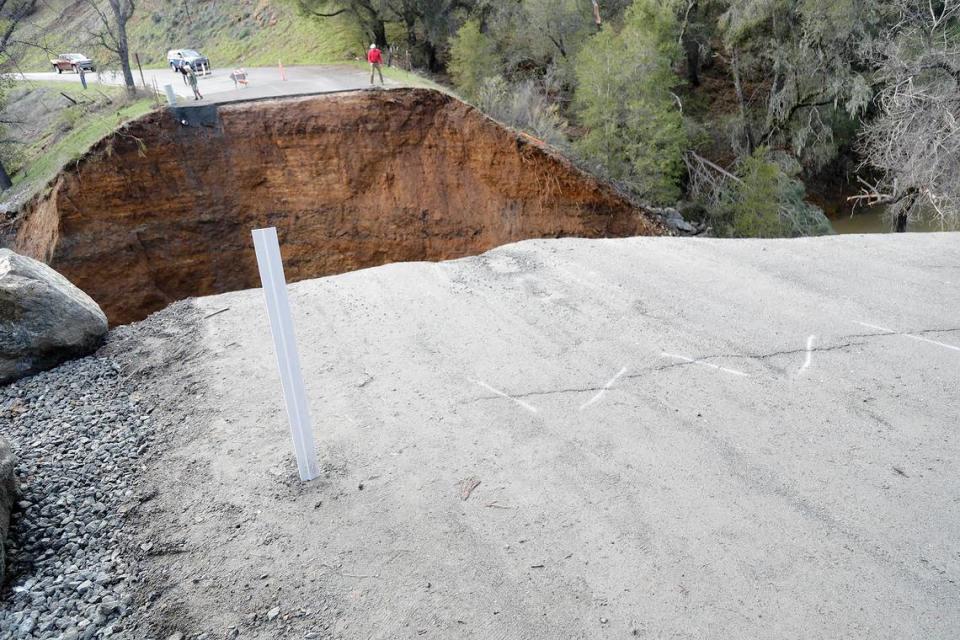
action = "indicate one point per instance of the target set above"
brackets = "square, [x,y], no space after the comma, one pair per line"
[722,496]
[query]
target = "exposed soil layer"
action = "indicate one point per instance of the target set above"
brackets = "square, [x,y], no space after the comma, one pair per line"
[162,210]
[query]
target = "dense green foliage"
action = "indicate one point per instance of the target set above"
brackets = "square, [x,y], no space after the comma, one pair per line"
[624,78]
[765,201]
[472,56]
[690,99]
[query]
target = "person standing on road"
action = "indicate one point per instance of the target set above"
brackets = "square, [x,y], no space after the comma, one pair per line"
[182,69]
[83,76]
[192,78]
[375,58]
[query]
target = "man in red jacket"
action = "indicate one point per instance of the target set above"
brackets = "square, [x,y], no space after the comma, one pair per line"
[375,58]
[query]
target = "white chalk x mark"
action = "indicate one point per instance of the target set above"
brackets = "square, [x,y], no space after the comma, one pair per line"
[528,407]
[806,363]
[705,364]
[909,335]
[603,391]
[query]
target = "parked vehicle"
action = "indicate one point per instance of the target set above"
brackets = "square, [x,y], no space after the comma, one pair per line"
[176,57]
[72,62]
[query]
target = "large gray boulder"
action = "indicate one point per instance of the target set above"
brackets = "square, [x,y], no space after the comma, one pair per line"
[44,319]
[8,493]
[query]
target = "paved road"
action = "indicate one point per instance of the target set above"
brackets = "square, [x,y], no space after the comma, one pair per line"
[263,82]
[648,437]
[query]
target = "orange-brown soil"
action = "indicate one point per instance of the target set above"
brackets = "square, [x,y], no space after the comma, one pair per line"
[162,211]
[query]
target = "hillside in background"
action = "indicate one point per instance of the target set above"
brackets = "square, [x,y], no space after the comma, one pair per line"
[249,32]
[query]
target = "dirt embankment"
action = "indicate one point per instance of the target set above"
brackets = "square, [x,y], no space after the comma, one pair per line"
[163,209]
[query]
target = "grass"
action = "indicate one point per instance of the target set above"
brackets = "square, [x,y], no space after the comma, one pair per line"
[407,78]
[74,90]
[247,32]
[49,154]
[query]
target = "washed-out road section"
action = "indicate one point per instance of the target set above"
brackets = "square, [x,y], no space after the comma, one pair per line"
[649,437]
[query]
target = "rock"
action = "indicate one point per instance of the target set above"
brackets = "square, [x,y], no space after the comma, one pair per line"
[272,614]
[674,220]
[44,319]
[76,431]
[8,492]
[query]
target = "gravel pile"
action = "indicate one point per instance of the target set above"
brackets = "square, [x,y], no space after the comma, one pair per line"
[78,435]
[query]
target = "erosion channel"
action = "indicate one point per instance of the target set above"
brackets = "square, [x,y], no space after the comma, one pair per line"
[162,209]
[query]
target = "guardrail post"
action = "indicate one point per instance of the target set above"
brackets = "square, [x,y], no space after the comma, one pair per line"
[284,342]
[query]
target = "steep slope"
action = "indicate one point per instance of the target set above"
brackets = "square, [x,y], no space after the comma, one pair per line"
[163,209]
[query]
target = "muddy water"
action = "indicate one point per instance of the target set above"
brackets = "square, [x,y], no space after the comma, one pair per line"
[876,220]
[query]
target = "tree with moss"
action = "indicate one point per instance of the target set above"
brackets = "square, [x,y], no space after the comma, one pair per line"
[624,98]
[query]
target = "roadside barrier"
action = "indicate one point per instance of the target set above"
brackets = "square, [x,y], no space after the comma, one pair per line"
[239,77]
[267,247]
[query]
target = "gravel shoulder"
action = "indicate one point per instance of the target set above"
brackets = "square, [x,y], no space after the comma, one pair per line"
[579,439]
[83,434]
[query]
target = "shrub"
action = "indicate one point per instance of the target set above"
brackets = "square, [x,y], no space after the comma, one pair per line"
[524,106]
[767,201]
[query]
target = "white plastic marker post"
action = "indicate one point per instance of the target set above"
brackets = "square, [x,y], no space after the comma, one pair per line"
[288,360]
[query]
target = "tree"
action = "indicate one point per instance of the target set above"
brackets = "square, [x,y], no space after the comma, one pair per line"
[914,141]
[12,14]
[112,34]
[802,58]
[473,58]
[537,34]
[429,24]
[371,15]
[764,198]
[623,97]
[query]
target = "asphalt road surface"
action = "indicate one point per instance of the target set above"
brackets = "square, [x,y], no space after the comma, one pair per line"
[218,87]
[650,437]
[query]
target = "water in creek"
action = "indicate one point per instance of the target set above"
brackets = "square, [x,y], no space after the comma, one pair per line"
[876,220]
[872,220]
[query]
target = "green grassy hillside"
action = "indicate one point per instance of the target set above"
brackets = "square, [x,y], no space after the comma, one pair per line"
[54,123]
[248,32]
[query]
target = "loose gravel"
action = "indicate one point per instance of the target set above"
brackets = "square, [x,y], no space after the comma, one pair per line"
[78,434]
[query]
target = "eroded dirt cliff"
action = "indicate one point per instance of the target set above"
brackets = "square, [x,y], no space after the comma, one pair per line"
[163,209]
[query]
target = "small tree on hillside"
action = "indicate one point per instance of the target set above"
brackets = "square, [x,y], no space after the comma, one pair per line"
[473,58]
[113,16]
[624,98]
[12,14]
[763,198]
